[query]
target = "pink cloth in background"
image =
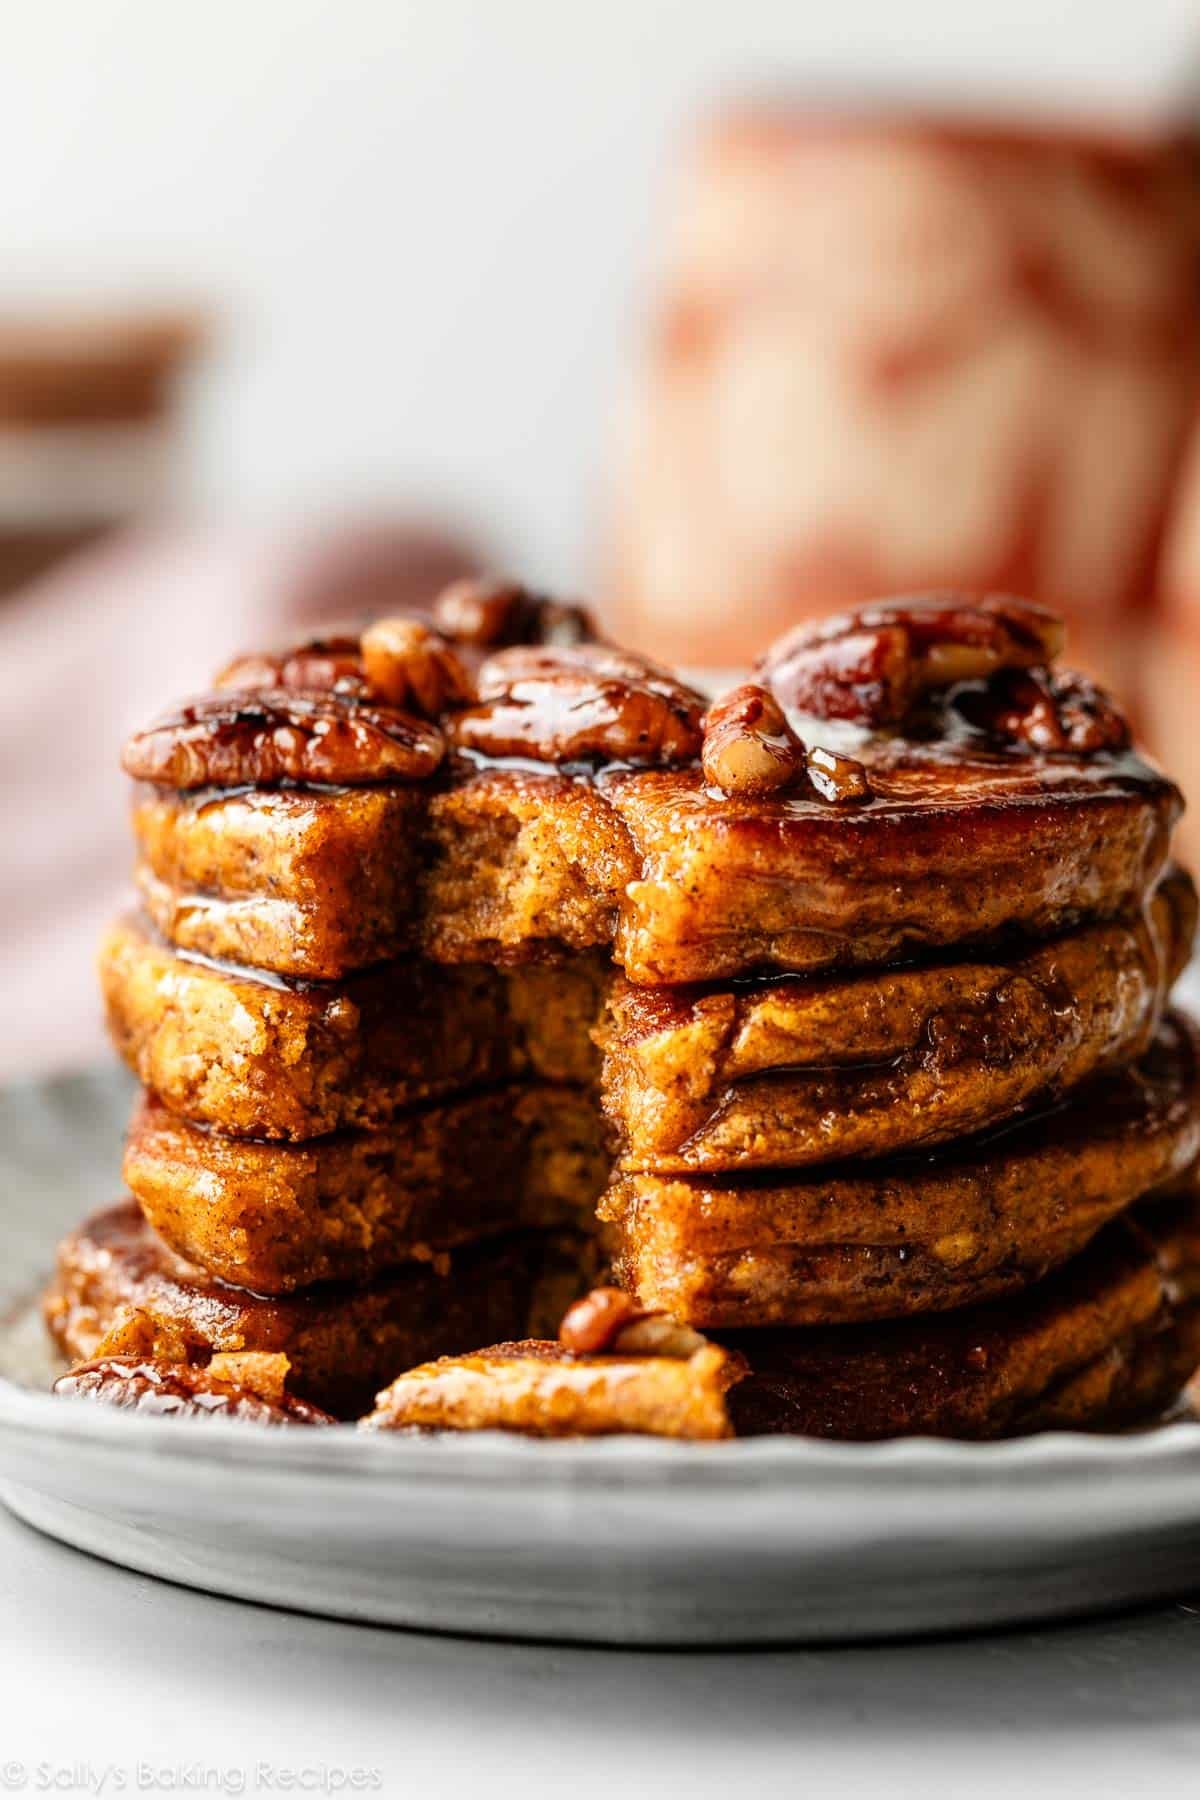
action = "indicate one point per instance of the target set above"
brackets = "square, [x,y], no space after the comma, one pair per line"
[96,649]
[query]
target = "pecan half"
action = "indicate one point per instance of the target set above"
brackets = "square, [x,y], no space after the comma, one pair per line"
[749,747]
[1046,710]
[329,663]
[224,740]
[609,1321]
[411,666]
[182,1390]
[589,703]
[491,614]
[871,666]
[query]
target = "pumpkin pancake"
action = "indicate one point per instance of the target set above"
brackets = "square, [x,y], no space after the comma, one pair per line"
[910,1234]
[958,845]
[276,1217]
[1109,1340]
[541,1390]
[277,1057]
[302,883]
[786,1072]
[342,1342]
[495,866]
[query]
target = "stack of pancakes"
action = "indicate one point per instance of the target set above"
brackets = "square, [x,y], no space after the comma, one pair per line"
[865,1078]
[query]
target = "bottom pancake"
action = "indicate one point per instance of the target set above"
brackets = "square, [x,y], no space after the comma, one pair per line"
[1105,1342]
[1110,1339]
[343,1343]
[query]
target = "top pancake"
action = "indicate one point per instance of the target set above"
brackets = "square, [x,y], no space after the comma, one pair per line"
[904,779]
[958,846]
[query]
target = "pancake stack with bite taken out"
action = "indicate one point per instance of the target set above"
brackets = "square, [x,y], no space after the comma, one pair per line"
[841,1003]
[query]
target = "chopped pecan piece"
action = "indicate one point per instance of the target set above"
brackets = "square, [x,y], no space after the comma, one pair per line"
[587,703]
[749,747]
[410,666]
[608,1321]
[842,780]
[135,1334]
[1047,711]
[870,667]
[226,740]
[187,1390]
[260,1372]
[658,1334]
[489,615]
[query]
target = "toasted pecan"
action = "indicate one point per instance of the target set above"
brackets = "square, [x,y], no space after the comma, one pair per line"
[871,666]
[189,1390]
[488,615]
[328,663]
[749,747]
[842,780]
[610,1321]
[1046,710]
[229,740]
[578,704]
[411,666]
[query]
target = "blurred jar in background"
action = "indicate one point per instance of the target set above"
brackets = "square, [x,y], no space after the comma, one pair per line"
[88,431]
[892,354]
[1172,656]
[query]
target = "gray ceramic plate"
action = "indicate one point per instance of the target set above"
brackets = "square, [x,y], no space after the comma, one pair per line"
[621,1541]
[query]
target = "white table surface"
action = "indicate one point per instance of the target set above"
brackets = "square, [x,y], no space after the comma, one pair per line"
[114,1683]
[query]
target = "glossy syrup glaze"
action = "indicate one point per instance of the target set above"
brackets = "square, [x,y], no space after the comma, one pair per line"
[920,702]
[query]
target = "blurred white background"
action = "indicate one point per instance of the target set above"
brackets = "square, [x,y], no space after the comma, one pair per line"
[423,220]
[426,233]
